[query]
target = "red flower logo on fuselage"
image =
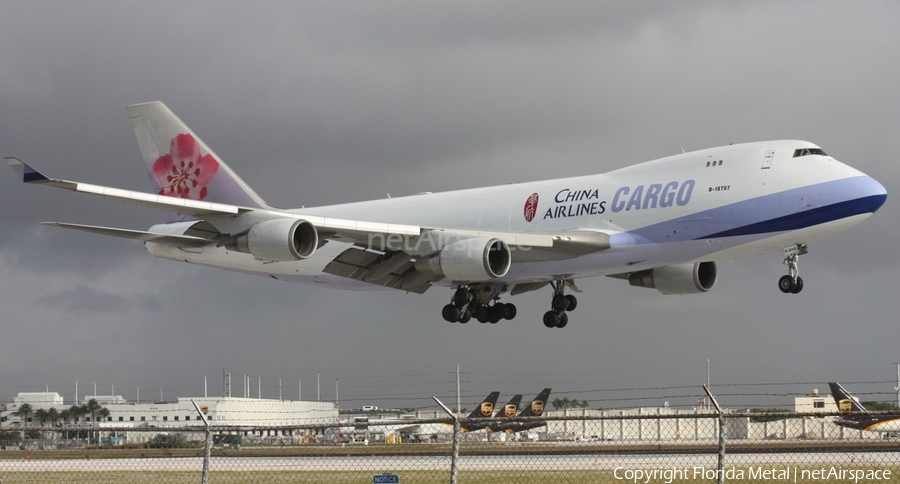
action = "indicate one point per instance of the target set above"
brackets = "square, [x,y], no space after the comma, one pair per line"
[531,207]
[183,172]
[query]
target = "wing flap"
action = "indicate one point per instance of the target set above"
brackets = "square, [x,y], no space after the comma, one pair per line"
[388,269]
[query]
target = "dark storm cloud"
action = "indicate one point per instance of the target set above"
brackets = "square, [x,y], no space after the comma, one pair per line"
[324,102]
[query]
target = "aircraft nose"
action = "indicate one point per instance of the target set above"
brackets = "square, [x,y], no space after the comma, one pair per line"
[876,194]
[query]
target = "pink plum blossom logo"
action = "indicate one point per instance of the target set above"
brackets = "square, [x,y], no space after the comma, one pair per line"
[531,207]
[184,172]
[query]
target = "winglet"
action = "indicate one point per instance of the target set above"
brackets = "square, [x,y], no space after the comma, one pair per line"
[26,171]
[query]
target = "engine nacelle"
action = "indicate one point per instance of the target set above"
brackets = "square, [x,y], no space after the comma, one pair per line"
[680,279]
[478,259]
[279,240]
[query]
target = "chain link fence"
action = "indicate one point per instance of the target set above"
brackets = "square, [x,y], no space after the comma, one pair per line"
[584,448]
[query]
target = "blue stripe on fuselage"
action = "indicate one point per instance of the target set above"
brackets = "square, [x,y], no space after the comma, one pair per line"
[808,218]
[788,210]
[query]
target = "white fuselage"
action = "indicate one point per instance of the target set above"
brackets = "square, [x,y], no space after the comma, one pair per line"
[716,204]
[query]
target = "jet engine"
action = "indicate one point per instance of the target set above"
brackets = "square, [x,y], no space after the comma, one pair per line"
[477,259]
[279,240]
[679,279]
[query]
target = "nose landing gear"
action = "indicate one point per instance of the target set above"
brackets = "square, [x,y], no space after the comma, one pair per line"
[792,283]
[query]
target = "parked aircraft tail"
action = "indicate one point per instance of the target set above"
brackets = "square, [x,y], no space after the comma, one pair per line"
[845,402]
[855,416]
[536,408]
[511,408]
[486,408]
[180,164]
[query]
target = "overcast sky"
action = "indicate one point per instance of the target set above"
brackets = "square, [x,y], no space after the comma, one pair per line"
[317,103]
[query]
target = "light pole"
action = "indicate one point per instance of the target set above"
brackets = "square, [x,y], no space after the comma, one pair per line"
[897,388]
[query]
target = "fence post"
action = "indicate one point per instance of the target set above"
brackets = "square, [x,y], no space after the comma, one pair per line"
[720,469]
[207,445]
[454,456]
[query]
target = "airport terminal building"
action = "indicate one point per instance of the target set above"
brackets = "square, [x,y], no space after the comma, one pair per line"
[219,411]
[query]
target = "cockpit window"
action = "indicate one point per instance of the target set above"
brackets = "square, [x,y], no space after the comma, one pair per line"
[808,151]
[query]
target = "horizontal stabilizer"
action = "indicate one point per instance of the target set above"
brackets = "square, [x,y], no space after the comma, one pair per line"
[158,238]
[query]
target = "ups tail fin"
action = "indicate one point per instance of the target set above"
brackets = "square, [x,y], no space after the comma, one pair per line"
[486,408]
[511,409]
[180,164]
[536,408]
[846,403]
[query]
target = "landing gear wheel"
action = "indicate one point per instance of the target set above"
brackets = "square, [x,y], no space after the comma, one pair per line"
[563,321]
[451,313]
[560,303]
[462,297]
[798,287]
[465,318]
[573,302]
[498,310]
[481,314]
[550,319]
[511,311]
[786,284]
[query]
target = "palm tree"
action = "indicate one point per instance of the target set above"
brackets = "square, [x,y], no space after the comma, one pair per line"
[53,415]
[23,412]
[76,411]
[42,415]
[103,413]
[92,407]
[65,415]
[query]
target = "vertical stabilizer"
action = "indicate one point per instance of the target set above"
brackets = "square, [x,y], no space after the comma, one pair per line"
[536,408]
[486,408]
[511,409]
[845,402]
[180,164]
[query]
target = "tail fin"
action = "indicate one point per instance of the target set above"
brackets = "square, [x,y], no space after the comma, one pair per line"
[180,165]
[536,409]
[511,408]
[486,407]
[846,403]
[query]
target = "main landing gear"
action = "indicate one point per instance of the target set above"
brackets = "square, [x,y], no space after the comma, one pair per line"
[792,283]
[561,303]
[480,303]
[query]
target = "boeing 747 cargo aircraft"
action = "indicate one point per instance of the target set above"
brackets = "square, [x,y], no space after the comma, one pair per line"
[662,224]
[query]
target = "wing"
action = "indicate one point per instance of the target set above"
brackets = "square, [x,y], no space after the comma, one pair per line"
[383,254]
